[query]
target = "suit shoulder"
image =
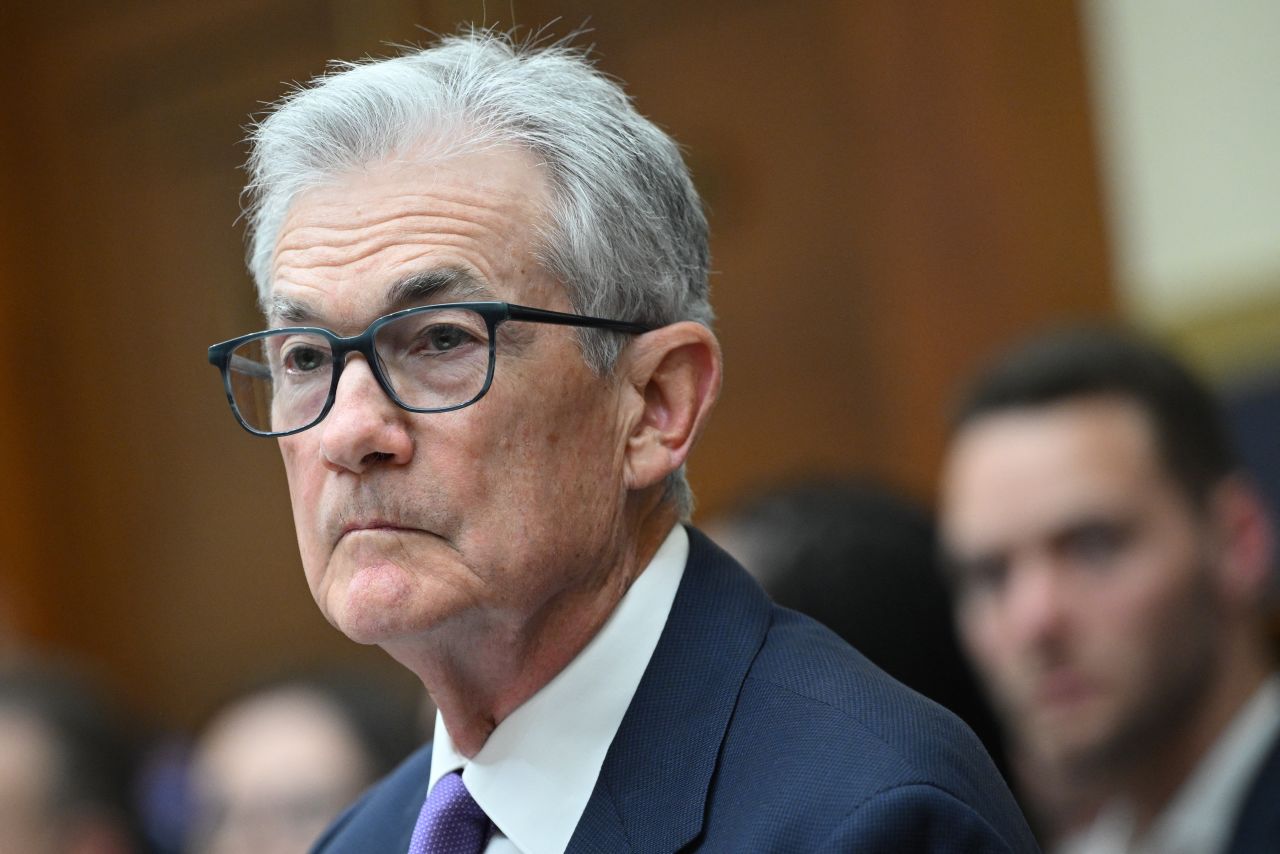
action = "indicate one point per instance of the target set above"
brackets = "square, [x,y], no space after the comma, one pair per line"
[920,818]
[815,711]
[804,660]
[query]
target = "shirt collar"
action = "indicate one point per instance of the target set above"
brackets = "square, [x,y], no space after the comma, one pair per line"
[535,774]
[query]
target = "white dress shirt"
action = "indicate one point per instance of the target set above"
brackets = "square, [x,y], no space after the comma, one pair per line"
[535,774]
[1201,816]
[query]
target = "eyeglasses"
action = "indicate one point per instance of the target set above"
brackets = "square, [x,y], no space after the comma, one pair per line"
[433,358]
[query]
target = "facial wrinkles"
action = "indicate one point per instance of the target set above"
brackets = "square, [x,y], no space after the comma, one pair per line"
[378,495]
[367,503]
[471,531]
[360,218]
[317,255]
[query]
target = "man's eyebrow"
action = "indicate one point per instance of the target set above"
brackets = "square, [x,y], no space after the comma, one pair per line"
[447,283]
[444,284]
[282,311]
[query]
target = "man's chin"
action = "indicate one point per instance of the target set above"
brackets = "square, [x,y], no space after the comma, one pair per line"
[362,631]
[1076,746]
[374,604]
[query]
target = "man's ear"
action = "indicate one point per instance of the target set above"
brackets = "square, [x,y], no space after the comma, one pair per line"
[1247,540]
[673,378]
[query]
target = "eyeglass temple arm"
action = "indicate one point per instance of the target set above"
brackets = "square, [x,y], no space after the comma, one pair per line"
[542,315]
[241,365]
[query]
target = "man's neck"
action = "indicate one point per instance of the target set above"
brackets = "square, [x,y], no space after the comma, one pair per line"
[479,670]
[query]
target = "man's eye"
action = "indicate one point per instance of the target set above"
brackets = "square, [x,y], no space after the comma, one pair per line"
[1095,544]
[442,337]
[988,576]
[980,576]
[304,359]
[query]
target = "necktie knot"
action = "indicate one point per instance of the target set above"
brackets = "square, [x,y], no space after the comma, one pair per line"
[451,822]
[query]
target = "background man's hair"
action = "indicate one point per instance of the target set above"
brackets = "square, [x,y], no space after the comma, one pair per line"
[625,232]
[1104,361]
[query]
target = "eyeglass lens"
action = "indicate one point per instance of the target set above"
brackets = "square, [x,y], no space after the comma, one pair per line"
[432,359]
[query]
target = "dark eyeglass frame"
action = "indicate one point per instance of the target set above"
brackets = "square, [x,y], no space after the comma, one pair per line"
[493,313]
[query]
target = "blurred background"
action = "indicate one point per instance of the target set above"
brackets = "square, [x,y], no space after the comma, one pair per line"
[896,191]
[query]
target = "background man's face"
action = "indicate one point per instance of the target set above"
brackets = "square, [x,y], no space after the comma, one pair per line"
[272,773]
[1085,594]
[493,512]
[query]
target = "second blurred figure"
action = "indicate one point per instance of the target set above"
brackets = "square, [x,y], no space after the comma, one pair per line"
[276,765]
[1110,561]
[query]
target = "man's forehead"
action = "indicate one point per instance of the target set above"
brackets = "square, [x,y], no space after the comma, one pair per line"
[1022,439]
[408,231]
[1030,473]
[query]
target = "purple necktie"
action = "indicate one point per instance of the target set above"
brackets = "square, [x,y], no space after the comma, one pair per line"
[451,822]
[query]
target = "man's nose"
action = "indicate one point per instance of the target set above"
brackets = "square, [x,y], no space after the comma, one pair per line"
[1037,601]
[364,427]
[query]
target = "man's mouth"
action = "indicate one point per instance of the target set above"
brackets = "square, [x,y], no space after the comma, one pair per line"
[1062,690]
[372,525]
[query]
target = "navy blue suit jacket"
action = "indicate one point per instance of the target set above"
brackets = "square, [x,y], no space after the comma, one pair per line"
[755,729]
[1257,827]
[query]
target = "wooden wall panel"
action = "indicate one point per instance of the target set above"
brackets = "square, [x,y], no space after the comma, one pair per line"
[975,213]
[172,563]
[894,188]
[24,610]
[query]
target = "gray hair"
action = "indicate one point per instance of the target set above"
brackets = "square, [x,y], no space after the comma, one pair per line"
[625,231]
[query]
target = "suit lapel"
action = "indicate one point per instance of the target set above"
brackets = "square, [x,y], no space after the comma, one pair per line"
[406,821]
[652,790]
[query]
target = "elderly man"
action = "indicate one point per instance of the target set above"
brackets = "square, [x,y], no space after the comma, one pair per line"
[1110,562]
[485,277]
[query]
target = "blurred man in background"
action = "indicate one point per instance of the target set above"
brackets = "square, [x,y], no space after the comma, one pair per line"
[66,767]
[277,764]
[1109,562]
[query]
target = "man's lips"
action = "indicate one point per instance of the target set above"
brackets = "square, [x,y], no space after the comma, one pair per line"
[373,525]
[1063,689]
